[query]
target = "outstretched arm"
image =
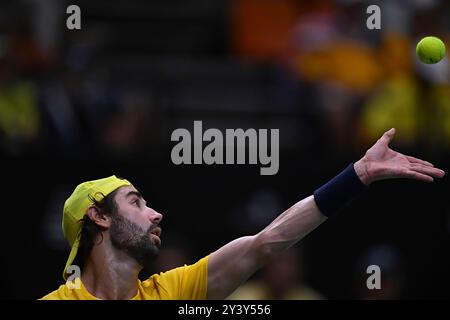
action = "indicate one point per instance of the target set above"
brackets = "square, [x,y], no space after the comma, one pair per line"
[235,262]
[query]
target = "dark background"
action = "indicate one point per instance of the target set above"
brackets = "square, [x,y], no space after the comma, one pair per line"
[78,105]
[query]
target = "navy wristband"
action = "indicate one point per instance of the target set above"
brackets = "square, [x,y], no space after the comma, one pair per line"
[339,191]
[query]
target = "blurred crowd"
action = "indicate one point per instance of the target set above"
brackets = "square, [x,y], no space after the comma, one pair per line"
[139,69]
[343,82]
[357,81]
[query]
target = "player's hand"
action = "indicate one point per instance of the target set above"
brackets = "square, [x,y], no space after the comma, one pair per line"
[381,162]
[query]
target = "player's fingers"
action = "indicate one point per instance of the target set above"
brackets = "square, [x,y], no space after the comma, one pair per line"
[416,160]
[387,136]
[418,176]
[431,171]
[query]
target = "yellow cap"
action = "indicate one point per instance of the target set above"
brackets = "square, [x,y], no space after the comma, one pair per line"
[76,207]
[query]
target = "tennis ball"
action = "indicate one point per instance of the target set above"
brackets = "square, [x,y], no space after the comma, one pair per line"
[430,50]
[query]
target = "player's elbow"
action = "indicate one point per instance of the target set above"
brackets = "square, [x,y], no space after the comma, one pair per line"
[265,248]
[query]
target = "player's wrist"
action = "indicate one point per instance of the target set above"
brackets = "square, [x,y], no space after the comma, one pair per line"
[339,191]
[361,168]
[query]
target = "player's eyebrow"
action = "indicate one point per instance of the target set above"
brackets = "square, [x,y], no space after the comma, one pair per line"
[134,193]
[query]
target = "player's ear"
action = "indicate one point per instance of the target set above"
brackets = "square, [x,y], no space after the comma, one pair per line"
[99,217]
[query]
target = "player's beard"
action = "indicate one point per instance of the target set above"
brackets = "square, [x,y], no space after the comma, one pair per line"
[134,240]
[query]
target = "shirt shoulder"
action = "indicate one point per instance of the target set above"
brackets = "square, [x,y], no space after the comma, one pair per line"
[188,282]
[58,294]
[69,291]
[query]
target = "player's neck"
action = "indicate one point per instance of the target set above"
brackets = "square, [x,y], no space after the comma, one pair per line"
[110,273]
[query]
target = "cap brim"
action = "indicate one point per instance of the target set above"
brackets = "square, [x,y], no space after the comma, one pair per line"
[72,255]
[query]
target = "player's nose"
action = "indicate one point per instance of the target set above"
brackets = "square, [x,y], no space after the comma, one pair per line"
[155,216]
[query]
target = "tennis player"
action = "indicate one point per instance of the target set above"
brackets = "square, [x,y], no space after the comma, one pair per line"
[113,234]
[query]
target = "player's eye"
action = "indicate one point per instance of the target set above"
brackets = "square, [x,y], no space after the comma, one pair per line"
[136,202]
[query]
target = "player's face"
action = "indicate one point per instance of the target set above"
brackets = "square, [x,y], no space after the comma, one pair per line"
[135,227]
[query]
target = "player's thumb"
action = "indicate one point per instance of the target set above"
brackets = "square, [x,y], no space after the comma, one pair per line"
[387,136]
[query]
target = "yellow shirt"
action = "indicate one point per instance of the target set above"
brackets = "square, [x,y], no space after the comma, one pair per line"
[183,283]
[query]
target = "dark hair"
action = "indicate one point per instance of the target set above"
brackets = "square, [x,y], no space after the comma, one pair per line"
[106,205]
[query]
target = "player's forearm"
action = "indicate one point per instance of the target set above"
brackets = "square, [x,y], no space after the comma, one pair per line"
[235,262]
[290,227]
[306,215]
